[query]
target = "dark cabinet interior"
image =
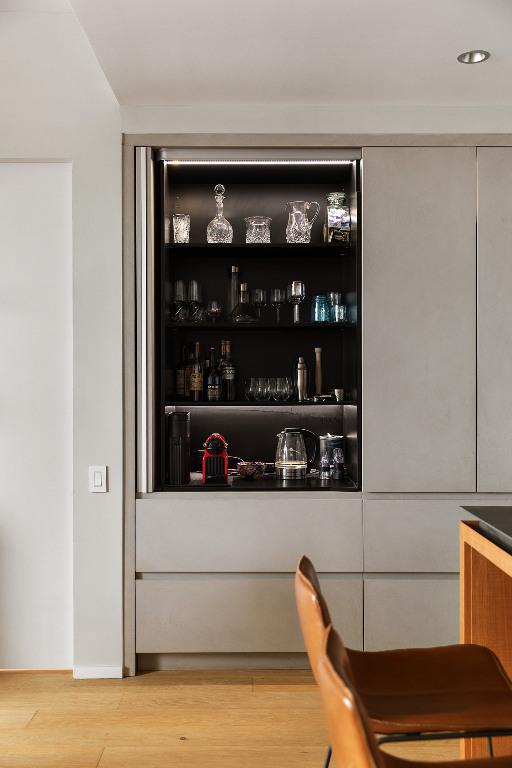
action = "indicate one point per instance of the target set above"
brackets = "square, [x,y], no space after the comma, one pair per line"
[265,348]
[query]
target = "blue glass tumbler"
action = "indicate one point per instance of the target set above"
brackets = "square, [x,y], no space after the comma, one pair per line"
[320,309]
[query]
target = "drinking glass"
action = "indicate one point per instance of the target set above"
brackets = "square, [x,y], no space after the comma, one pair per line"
[259,299]
[251,387]
[277,297]
[320,310]
[261,389]
[296,293]
[281,388]
[181,226]
[179,312]
[338,311]
[288,388]
[213,310]
[272,389]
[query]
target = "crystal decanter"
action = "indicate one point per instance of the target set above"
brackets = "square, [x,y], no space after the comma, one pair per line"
[219,230]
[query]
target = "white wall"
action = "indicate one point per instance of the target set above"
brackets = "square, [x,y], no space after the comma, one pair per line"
[36,407]
[56,103]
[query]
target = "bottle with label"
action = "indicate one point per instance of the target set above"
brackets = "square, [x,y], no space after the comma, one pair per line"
[188,370]
[196,375]
[337,218]
[228,377]
[214,380]
[180,374]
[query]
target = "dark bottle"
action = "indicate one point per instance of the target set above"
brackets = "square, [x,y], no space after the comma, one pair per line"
[214,380]
[228,377]
[188,370]
[221,362]
[196,376]
[180,374]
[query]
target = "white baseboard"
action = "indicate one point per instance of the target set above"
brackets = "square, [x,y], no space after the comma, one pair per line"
[94,673]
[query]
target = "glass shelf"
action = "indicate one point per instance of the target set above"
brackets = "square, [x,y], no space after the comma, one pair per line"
[337,249]
[255,404]
[261,326]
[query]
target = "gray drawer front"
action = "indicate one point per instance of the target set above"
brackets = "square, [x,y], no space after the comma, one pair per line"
[410,612]
[402,536]
[267,534]
[233,613]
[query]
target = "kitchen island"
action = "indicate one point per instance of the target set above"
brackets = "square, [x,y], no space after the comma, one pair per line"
[486,594]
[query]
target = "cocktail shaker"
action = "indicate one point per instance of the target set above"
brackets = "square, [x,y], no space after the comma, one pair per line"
[301,380]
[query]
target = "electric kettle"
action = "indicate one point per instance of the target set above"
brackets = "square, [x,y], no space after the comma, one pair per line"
[292,458]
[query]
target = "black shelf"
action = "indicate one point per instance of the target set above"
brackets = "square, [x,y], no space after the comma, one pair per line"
[256,404]
[339,249]
[261,326]
[266,483]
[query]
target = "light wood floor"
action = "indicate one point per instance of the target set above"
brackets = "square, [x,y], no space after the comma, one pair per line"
[168,720]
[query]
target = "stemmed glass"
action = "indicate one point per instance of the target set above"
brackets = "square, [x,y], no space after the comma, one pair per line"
[277,297]
[261,392]
[180,309]
[259,299]
[213,310]
[272,389]
[194,300]
[296,294]
[251,387]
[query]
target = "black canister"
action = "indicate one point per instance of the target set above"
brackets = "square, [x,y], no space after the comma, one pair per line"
[178,447]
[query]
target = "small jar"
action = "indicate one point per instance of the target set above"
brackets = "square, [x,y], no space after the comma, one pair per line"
[320,311]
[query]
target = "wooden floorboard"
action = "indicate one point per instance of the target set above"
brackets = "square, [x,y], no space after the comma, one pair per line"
[169,720]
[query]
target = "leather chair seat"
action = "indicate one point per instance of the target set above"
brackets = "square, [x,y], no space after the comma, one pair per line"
[452,688]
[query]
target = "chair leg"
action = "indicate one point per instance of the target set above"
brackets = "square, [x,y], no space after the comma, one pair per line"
[328,757]
[491,750]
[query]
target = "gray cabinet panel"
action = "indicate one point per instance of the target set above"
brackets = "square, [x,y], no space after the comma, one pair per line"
[242,534]
[494,471]
[408,612]
[412,536]
[419,319]
[232,613]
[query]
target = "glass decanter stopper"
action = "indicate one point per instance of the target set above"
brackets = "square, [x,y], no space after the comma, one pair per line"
[219,230]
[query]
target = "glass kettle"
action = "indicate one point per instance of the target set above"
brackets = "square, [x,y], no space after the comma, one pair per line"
[292,458]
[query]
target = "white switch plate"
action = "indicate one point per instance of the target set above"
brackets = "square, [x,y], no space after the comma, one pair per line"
[98,479]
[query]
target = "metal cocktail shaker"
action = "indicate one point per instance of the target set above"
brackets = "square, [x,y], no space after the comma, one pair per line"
[301,380]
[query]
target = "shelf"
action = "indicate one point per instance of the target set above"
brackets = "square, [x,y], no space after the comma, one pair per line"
[267,483]
[257,404]
[336,249]
[261,326]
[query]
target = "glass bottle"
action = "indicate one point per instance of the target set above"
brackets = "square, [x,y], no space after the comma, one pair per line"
[244,312]
[233,290]
[214,380]
[228,377]
[180,374]
[337,218]
[219,230]
[188,371]
[196,375]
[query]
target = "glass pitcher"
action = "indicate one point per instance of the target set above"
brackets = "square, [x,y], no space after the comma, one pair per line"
[292,458]
[299,225]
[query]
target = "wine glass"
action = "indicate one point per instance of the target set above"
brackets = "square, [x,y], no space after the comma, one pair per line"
[296,293]
[213,310]
[277,297]
[259,299]
[272,389]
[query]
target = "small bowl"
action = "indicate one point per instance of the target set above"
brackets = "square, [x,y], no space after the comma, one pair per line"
[251,470]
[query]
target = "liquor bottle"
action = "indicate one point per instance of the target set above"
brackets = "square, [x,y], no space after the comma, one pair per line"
[188,370]
[196,376]
[337,218]
[214,380]
[180,374]
[228,377]
[244,312]
[233,290]
[219,230]
[221,362]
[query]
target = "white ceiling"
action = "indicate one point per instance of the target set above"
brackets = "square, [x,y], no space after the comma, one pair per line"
[170,52]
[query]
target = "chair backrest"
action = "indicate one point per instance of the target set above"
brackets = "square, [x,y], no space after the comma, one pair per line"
[351,737]
[313,612]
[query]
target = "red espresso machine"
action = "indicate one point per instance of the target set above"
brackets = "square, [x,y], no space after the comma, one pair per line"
[215,460]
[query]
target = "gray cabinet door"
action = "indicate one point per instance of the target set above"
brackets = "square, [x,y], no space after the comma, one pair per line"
[419,319]
[494,470]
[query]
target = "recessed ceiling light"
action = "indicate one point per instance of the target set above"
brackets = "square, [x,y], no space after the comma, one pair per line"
[473,57]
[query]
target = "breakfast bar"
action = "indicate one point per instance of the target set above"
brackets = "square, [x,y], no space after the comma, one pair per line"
[486,594]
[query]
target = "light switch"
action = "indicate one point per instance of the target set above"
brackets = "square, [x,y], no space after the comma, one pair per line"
[98,479]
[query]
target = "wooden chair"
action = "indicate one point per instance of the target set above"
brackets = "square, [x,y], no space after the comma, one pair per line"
[451,692]
[353,741]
